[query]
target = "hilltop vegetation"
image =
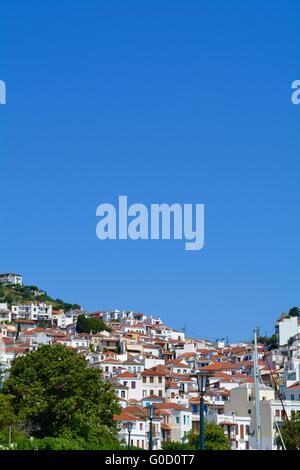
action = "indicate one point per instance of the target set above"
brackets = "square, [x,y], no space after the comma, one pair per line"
[23,294]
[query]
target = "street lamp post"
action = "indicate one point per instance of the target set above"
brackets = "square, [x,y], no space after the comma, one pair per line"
[129,429]
[201,377]
[151,416]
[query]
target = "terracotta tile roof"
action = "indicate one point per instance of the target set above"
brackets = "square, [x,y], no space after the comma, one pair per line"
[187,354]
[296,386]
[25,322]
[172,385]
[110,361]
[125,417]
[170,406]
[6,340]
[127,375]
[154,371]
[223,366]
[33,331]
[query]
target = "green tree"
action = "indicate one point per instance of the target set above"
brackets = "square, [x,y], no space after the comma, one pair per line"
[294,312]
[287,435]
[55,394]
[7,418]
[215,439]
[270,342]
[87,325]
[174,446]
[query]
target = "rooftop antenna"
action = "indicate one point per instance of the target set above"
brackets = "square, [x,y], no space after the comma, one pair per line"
[256,392]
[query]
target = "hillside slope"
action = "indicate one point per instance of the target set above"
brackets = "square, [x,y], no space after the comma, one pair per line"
[23,294]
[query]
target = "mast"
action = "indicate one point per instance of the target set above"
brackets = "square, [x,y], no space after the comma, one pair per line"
[256,393]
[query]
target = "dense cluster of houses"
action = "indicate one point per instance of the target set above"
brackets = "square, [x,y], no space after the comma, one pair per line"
[150,363]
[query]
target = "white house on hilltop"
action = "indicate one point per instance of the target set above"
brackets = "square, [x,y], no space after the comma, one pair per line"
[11,278]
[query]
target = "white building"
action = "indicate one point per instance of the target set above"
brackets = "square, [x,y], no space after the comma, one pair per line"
[286,328]
[140,425]
[11,278]
[132,386]
[176,423]
[272,414]
[32,311]
[5,314]
[292,371]
[153,382]
[236,429]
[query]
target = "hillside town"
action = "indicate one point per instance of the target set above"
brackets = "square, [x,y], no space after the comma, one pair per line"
[154,366]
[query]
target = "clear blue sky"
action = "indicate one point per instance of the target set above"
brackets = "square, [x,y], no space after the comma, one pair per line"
[163,101]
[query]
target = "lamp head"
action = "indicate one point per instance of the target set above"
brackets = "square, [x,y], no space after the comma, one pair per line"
[201,377]
[129,426]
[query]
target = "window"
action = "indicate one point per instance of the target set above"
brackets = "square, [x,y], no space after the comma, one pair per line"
[277,413]
[177,420]
[151,380]
[151,392]
[132,384]
[138,443]
[249,412]
[160,393]
[141,426]
[184,420]
[122,394]
[247,430]
[159,380]
[242,431]
[144,380]
[292,396]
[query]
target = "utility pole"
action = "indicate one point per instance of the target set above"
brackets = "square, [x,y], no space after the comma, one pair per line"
[256,392]
[151,416]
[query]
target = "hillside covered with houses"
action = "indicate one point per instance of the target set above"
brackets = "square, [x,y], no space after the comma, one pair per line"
[149,363]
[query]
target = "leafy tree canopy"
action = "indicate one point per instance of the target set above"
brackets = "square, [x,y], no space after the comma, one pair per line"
[87,325]
[215,439]
[55,394]
[270,342]
[287,435]
[294,312]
